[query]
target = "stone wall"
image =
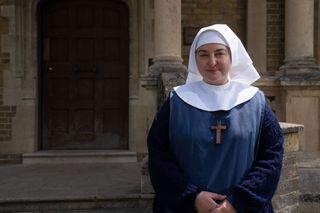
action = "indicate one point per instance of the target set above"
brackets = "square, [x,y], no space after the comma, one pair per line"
[7,112]
[309,175]
[286,198]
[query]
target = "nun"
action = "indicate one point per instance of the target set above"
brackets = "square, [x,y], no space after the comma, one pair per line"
[215,145]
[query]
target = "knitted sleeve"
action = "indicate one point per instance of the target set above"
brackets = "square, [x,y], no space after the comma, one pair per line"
[255,192]
[172,189]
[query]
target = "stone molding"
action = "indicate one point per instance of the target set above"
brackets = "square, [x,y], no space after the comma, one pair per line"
[164,74]
[161,65]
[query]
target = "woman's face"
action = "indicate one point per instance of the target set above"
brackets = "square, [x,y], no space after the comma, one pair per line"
[213,61]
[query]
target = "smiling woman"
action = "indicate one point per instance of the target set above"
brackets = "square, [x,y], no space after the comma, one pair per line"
[213,61]
[215,145]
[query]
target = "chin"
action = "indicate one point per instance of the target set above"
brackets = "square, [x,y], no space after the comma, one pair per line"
[216,82]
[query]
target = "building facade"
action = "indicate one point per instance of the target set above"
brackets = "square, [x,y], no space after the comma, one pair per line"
[86,75]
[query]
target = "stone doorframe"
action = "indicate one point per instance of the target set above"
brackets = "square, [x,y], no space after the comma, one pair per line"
[20,89]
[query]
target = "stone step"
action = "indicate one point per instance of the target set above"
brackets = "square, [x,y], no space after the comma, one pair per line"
[132,204]
[79,156]
[10,159]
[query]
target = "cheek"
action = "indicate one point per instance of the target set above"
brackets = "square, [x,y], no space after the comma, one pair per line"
[227,64]
[199,64]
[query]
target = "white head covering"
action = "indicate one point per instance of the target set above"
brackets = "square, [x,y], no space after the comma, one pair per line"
[241,74]
[210,36]
[241,69]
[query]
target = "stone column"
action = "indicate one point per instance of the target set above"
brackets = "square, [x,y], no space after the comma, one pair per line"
[257,33]
[167,31]
[167,69]
[299,37]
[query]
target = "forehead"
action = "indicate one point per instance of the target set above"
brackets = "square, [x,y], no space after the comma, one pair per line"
[212,47]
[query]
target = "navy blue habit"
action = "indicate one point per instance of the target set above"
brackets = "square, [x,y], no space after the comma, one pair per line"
[186,156]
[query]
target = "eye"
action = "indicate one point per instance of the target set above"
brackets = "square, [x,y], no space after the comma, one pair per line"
[203,54]
[220,53]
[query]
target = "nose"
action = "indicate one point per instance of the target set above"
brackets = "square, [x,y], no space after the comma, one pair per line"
[212,60]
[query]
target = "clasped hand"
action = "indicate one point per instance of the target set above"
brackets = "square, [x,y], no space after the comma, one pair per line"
[208,202]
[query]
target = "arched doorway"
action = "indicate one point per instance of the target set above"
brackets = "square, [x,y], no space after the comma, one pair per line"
[84,74]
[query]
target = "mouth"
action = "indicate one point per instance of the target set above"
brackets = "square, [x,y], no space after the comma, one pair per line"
[213,70]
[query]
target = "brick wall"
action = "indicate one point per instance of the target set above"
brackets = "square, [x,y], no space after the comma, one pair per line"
[200,13]
[6,112]
[275,35]
[4,29]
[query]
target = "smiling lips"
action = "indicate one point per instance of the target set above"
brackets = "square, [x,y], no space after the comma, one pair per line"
[212,70]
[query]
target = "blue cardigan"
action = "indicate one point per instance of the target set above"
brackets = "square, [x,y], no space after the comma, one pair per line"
[175,192]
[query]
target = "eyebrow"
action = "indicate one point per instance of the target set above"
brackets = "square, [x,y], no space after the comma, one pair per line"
[218,50]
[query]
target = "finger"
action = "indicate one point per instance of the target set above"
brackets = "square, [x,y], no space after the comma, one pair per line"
[216,196]
[215,210]
[215,205]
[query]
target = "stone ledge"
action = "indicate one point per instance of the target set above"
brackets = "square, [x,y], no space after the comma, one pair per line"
[291,128]
[310,79]
[79,156]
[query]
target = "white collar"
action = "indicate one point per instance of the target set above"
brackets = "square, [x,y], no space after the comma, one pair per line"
[213,98]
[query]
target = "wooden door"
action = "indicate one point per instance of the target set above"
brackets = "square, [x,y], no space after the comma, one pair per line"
[84,75]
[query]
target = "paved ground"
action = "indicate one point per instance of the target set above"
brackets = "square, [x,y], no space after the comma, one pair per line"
[53,182]
[68,180]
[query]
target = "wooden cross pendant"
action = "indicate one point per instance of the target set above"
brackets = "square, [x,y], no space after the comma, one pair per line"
[218,129]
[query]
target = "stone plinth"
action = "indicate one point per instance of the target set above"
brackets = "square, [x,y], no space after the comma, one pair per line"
[163,75]
[286,198]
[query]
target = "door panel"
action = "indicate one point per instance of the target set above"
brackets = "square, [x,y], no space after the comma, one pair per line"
[85,75]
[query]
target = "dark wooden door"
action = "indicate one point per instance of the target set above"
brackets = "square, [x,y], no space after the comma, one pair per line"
[85,75]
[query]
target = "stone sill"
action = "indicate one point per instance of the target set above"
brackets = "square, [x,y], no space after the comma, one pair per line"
[291,128]
[302,80]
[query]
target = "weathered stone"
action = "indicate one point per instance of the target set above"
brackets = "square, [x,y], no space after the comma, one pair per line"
[283,201]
